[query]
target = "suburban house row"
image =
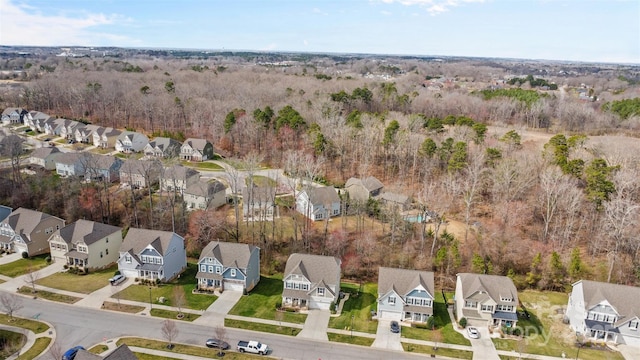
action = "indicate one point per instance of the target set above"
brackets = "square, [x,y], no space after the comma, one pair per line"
[596,311]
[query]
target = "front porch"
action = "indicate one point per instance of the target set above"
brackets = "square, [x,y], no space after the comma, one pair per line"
[210,285]
[77,259]
[602,331]
[504,319]
[296,303]
[150,272]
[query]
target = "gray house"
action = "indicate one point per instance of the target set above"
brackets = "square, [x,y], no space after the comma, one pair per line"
[228,266]
[604,311]
[70,164]
[318,203]
[311,281]
[196,150]
[26,230]
[140,173]
[152,254]
[405,295]
[178,178]
[102,167]
[486,300]
[13,115]
[162,147]
[45,157]
[362,189]
[258,202]
[204,194]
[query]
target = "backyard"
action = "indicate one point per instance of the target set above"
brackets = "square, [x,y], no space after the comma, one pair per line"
[544,332]
[84,284]
[443,332]
[186,282]
[360,305]
[261,302]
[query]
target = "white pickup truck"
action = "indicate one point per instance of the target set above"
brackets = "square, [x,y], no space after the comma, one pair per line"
[254,347]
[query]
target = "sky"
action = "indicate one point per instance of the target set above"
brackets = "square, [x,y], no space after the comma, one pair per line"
[572,30]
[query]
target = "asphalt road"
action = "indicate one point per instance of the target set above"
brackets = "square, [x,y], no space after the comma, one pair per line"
[76,325]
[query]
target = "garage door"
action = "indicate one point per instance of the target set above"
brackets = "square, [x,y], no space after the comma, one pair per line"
[129,273]
[632,341]
[233,286]
[389,315]
[313,304]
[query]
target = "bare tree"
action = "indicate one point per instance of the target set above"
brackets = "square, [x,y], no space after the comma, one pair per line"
[220,333]
[55,351]
[472,183]
[169,332]
[10,303]
[11,146]
[178,299]
[31,278]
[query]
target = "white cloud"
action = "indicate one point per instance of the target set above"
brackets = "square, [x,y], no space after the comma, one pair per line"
[318,11]
[434,7]
[21,24]
[305,42]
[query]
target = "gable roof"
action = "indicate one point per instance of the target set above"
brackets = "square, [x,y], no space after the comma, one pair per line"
[179,172]
[234,255]
[5,211]
[624,299]
[122,352]
[205,188]
[24,221]
[371,183]
[138,239]
[164,143]
[402,281]
[323,195]
[197,144]
[394,197]
[85,231]
[44,152]
[140,167]
[316,268]
[68,158]
[493,286]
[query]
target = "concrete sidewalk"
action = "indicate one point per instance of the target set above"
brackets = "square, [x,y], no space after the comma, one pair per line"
[23,280]
[216,312]
[315,327]
[98,297]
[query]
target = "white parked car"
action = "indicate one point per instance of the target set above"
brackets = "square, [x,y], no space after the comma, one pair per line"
[117,279]
[473,332]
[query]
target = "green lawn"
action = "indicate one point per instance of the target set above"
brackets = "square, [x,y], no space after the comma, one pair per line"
[359,305]
[23,266]
[261,302]
[98,349]
[173,315]
[268,328]
[451,353]
[261,181]
[35,326]
[444,331]
[49,295]
[355,340]
[187,282]
[205,165]
[544,332]
[38,347]
[84,284]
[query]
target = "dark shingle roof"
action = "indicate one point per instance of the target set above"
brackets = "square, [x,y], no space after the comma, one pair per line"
[495,286]
[316,268]
[86,231]
[234,255]
[205,188]
[138,239]
[404,280]
[624,299]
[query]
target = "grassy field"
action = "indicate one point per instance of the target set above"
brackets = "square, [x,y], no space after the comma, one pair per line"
[205,165]
[84,284]
[173,315]
[261,302]
[544,332]
[268,328]
[186,282]
[200,351]
[424,349]
[355,340]
[35,326]
[38,347]
[49,295]
[12,342]
[23,266]
[261,181]
[359,305]
[444,331]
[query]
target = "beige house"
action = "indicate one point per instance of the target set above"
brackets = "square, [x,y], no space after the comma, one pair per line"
[205,195]
[105,137]
[140,173]
[28,231]
[87,244]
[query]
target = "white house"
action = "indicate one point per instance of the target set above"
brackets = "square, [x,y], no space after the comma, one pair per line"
[205,194]
[318,203]
[131,141]
[486,300]
[45,157]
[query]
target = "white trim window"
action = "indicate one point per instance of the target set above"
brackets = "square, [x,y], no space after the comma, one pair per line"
[633,325]
[392,300]
[233,272]
[320,291]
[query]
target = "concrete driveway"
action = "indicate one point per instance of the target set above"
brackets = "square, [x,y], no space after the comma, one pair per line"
[96,298]
[483,348]
[629,352]
[215,313]
[315,327]
[9,258]
[385,339]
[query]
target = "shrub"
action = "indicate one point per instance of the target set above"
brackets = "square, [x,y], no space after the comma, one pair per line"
[48,259]
[431,322]
[65,266]
[116,273]
[332,308]
[420,326]
[25,255]
[463,322]
[278,305]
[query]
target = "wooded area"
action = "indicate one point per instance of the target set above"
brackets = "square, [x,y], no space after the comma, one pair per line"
[543,183]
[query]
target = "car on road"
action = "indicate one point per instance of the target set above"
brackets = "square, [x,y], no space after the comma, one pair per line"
[395,327]
[473,333]
[254,347]
[71,353]
[217,343]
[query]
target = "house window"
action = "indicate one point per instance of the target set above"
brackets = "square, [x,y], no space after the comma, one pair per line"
[487,308]
[106,251]
[470,304]
[211,270]
[203,268]
[158,260]
[233,272]
[107,240]
[288,285]
[305,287]
[392,300]
[127,259]
[633,325]
[100,253]
[320,291]
[218,270]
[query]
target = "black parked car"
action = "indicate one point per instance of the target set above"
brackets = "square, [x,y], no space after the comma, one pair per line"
[395,327]
[218,344]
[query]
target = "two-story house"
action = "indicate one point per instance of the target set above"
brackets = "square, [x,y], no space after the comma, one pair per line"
[14,115]
[486,300]
[86,244]
[28,231]
[405,295]
[70,164]
[178,178]
[362,189]
[69,129]
[105,137]
[140,173]
[311,281]
[102,167]
[36,120]
[45,157]
[196,150]
[604,311]
[84,134]
[152,254]
[228,266]
[258,203]
[53,127]
[318,203]
[205,194]
[131,142]
[162,147]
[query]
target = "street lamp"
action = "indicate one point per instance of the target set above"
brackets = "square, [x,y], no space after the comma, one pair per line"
[150,303]
[352,316]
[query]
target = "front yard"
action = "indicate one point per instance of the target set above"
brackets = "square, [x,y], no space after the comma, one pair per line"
[359,305]
[24,266]
[261,302]
[84,284]
[186,282]
[544,332]
[443,332]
